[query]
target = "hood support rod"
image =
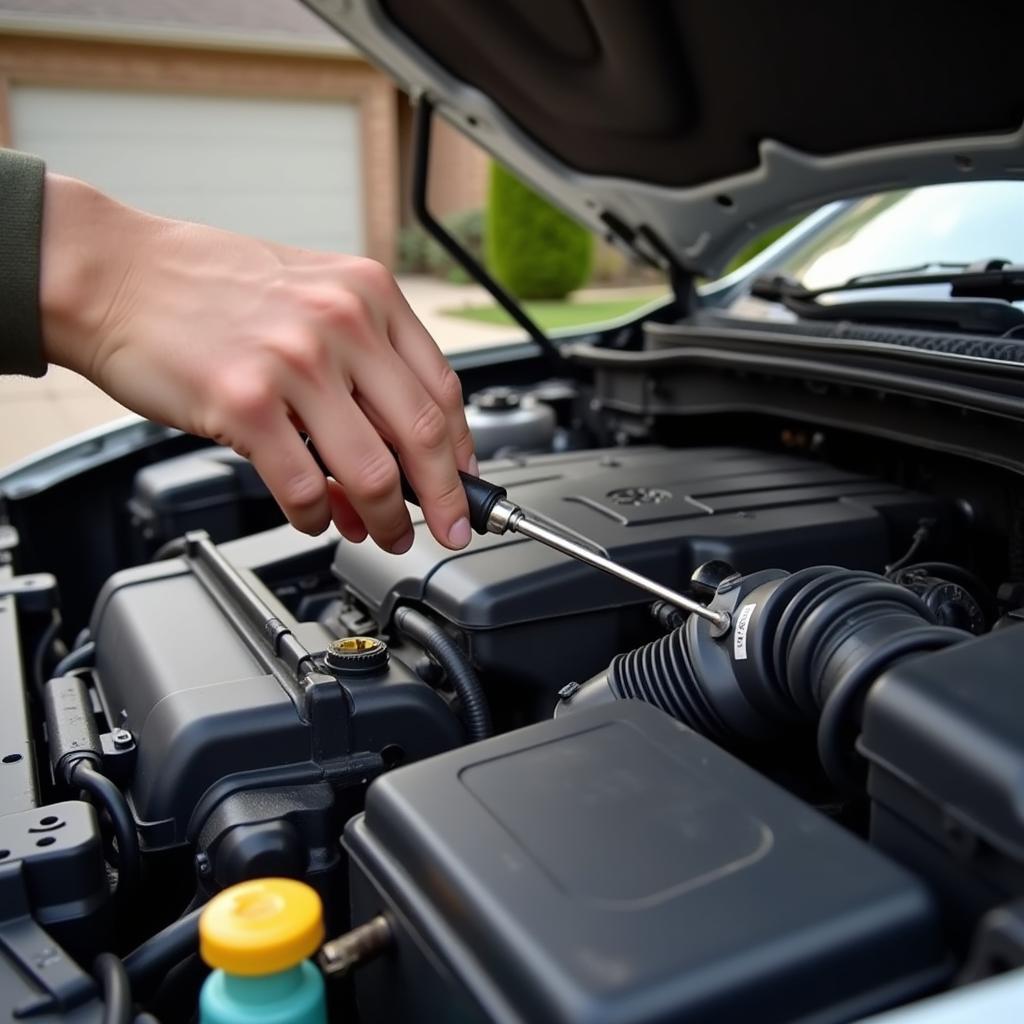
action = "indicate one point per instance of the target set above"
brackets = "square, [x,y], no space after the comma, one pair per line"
[420,176]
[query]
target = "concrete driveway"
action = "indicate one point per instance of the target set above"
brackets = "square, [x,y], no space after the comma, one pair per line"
[35,414]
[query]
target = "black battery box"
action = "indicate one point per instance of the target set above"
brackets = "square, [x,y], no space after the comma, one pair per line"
[613,867]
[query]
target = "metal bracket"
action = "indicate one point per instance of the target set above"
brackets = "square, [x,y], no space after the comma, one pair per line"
[34,592]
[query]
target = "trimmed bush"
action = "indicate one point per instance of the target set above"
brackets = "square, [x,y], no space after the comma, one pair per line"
[534,250]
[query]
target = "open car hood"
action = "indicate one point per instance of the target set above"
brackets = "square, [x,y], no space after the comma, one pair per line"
[685,127]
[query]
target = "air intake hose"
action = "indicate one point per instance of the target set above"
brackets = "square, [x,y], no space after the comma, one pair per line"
[802,648]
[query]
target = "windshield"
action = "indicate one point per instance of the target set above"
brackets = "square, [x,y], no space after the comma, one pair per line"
[955,223]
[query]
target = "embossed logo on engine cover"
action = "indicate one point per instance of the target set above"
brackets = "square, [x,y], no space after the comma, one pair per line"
[639,496]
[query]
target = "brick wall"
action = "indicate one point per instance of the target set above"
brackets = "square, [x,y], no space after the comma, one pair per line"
[458,167]
[458,171]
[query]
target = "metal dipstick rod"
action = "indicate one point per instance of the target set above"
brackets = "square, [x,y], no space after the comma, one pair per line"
[507,517]
[490,511]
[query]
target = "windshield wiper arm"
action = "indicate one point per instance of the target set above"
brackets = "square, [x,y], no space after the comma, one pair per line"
[986,279]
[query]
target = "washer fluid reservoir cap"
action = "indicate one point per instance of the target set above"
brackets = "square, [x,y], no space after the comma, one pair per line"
[496,399]
[261,927]
[356,655]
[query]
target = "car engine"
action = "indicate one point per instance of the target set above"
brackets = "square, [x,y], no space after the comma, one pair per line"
[553,799]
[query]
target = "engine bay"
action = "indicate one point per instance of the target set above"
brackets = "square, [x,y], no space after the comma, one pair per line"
[553,799]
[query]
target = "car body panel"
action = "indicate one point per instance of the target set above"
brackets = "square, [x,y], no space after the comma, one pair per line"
[698,224]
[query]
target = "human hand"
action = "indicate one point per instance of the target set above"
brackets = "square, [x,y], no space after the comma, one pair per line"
[247,342]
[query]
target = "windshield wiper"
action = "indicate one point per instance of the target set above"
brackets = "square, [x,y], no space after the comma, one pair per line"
[986,279]
[983,292]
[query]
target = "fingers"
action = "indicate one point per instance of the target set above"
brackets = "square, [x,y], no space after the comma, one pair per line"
[361,373]
[289,471]
[345,517]
[364,467]
[420,353]
[401,409]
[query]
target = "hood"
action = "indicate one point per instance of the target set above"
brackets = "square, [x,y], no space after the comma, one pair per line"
[682,128]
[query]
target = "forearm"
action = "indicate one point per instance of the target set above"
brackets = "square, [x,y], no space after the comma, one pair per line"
[246,342]
[21,210]
[89,244]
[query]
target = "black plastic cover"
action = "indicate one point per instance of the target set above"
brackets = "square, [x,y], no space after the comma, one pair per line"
[17,764]
[613,867]
[944,735]
[208,712]
[537,617]
[213,489]
[52,861]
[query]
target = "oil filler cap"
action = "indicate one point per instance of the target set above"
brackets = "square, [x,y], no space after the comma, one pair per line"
[356,655]
[261,927]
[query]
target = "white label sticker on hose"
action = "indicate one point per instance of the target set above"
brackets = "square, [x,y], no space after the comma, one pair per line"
[739,633]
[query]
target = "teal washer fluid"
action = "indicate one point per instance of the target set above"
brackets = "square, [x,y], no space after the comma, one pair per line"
[294,996]
[257,936]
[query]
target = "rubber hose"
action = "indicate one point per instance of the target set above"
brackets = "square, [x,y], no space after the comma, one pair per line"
[117,993]
[476,714]
[80,657]
[149,963]
[660,673]
[821,638]
[85,776]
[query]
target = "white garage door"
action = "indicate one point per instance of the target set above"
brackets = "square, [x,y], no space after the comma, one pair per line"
[287,170]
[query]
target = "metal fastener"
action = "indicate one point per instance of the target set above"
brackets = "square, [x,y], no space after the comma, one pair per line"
[122,738]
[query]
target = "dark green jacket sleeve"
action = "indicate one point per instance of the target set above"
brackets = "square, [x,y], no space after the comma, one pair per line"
[21,219]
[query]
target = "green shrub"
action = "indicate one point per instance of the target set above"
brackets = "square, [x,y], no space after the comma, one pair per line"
[534,250]
[418,253]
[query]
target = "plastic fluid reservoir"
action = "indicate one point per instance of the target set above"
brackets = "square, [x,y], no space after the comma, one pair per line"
[257,936]
[502,418]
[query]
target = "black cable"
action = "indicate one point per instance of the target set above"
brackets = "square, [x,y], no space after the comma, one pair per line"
[80,657]
[475,712]
[84,775]
[42,649]
[117,993]
[150,962]
[924,527]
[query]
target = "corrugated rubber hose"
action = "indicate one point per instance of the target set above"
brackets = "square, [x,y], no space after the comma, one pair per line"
[476,715]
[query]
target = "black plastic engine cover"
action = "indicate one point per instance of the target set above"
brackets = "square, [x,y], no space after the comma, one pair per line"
[532,616]
[613,867]
[209,711]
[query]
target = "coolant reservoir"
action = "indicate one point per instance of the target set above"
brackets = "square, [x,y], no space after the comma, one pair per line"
[258,936]
[502,418]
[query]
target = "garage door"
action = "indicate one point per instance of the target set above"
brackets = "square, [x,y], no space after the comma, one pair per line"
[287,170]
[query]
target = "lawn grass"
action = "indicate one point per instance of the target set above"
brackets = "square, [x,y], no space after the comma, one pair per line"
[550,315]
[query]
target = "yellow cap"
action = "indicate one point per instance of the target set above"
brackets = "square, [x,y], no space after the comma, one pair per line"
[262,926]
